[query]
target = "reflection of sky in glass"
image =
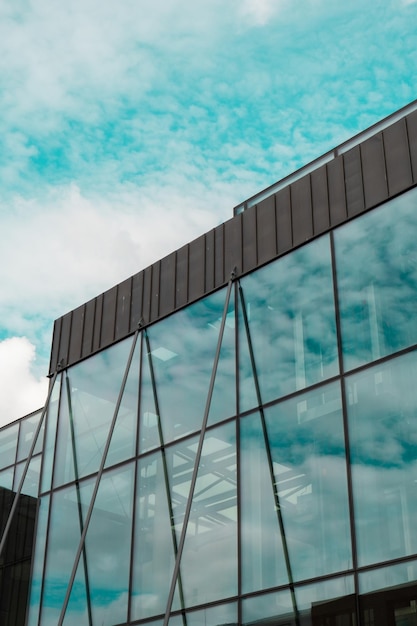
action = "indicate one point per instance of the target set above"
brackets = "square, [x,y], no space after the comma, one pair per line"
[94,386]
[382,408]
[182,350]
[290,308]
[307,446]
[376,260]
[211,537]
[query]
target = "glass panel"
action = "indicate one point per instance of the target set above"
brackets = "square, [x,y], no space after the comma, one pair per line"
[68,510]
[39,553]
[382,409]
[331,602]
[182,350]
[390,596]
[377,279]
[268,609]
[262,558]
[6,478]
[308,452]
[31,483]
[123,441]
[108,547]
[157,503]
[8,444]
[290,311]
[225,614]
[211,536]
[28,427]
[90,392]
[50,436]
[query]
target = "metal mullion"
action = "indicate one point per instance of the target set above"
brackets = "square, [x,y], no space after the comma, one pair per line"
[135,482]
[345,428]
[77,490]
[198,452]
[49,494]
[165,467]
[270,461]
[28,460]
[97,483]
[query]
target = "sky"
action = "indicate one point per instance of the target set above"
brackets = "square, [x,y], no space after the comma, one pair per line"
[130,127]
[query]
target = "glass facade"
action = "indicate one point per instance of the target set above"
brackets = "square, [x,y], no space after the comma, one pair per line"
[249,459]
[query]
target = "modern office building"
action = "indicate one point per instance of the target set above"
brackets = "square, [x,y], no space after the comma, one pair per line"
[231,434]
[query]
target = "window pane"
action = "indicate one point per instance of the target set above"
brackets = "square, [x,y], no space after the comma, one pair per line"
[262,557]
[108,547]
[382,410]
[291,318]
[68,510]
[211,536]
[89,395]
[307,446]
[377,280]
[8,443]
[177,370]
[28,428]
[328,602]
[157,503]
[269,608]
[31,482]
[50,435]
[389,595]
[37,574]
[213,616]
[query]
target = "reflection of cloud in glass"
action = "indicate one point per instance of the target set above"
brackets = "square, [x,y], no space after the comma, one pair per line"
[382,412]
[291,317]
[377,281]
[182,381]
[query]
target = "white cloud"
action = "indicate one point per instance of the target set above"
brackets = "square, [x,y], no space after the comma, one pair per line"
[20,391]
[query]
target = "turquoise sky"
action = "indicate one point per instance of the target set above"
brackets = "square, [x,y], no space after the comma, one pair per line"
[129,127]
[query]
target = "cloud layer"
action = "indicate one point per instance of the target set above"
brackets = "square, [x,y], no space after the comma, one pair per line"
[129,129]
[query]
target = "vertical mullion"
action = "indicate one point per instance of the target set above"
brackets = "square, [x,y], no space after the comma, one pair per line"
[345,427]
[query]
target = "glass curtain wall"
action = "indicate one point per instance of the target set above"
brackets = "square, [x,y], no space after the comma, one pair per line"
[303,498]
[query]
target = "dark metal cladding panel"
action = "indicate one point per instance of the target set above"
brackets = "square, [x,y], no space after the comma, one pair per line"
[266,230]
[233,246]
[77,328]
[89,317]
[97,323]
[412,141]
[56,339]
[397,158]
[182,277]
[302,215]
[196,268]
[210,252]
[124,294]
[108,321]
[283,214]
[373,168]
[250,257]
[155,291]
[355,201]
[65,338]
[136,300]
[219,255]
[147,285]
[320,200]
[167,285]
[337,192]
